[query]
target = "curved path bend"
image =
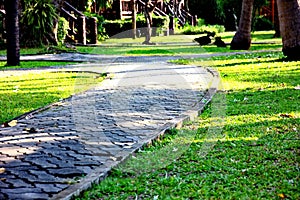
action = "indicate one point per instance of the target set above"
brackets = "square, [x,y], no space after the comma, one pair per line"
[60,151]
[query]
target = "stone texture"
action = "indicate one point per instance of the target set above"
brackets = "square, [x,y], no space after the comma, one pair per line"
[66,172]
[84,136]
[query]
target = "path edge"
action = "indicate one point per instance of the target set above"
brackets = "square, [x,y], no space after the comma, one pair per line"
[99,174]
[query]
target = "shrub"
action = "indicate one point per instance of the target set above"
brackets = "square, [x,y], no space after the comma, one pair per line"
[193,30]
[210,10]
[63,27]
[261,23]
[114,27]
[201,22]
[37,22]
[100,21]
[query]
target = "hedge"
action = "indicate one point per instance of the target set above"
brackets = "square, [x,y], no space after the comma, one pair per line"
[119,27]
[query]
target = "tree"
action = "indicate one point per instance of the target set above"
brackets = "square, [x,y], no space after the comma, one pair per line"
[12,30]
[148,12]
[134,10]
[242,38]
[276,22]
[289,21]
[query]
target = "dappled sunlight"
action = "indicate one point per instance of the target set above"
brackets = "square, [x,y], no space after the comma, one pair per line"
[258,73]
[171,38]
[251,125]
[139,50]
[166,49]
[22,92]
[237,85]
[272,47]
[226,139]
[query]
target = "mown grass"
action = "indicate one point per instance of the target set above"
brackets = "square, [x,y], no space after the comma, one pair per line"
[161,49]
[25,51]
[166,45]
[21,92]
[257,36]
[34,64]
[173,45]
[257,156]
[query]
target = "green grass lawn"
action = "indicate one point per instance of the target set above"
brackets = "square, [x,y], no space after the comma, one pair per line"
[174,46]
[257,36]
[21,92]
[34,64]
[166,45]
[26,51]
[257,156]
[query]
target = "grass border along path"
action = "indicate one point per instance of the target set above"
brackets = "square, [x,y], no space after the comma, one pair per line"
[24,91]
[34,64]
[258,157]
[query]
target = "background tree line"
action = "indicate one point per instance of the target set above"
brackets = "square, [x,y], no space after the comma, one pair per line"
[221,11]
[38,19]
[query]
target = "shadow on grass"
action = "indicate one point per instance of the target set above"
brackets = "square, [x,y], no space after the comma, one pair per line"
[262,35]
[257,61]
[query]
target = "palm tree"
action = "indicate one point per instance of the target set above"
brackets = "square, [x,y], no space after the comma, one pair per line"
[242,38]
[289,21]
[12,30]
[276,21]
[148,12]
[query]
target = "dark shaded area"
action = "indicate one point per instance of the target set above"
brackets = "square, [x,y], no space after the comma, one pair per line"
[292,53]
[241,44]
[12,29]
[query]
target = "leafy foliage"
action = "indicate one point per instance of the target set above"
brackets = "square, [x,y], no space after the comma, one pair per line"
[102,35]
[209,10]
[62,31]
[100,3]
[193,30]
[114,27]
[218,11]
[261,23]
[37,21]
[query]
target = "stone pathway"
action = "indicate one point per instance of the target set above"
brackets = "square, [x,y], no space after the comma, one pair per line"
[57,153]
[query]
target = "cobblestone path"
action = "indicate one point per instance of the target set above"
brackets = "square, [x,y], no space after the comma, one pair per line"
[56,153]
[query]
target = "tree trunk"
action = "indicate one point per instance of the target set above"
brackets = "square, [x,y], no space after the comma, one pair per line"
[242,38]
[289,20]
[276,22]
[12,29]
[134,6]
[148,12]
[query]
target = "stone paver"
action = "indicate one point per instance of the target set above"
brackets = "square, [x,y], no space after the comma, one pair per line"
[79,141]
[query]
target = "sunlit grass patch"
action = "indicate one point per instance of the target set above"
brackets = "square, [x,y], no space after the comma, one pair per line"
[34,64]
[258,154]
[172,43]
[257,36]
[128,46]
[157,39]
[21,92]
[265,37]
[258,71]
[258,47]
[140,50]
